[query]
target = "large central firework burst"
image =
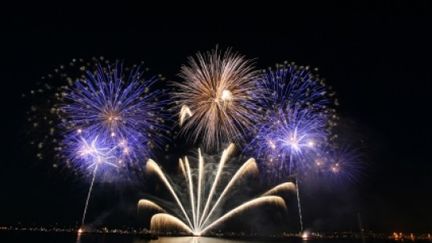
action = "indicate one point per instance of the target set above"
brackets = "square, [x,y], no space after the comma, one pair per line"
[215,98]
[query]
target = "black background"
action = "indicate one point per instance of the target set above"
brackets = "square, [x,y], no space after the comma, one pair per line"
[376,56]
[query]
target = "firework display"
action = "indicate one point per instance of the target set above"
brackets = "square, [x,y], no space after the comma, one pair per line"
[107,120]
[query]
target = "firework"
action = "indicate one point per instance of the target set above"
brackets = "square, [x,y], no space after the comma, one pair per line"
[117,106]
[276,200]
[93,153]
[287,186]
[292,85]
[339,163]
[200,217]
[100,99]
[288,140]
[298,121]
[185,113]
[216,98]
[149,205]
[106,118]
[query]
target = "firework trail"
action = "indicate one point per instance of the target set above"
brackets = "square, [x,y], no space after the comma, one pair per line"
[299,204]
[287,186]
[95,152]
[88,195]
[154,167]
[225,154]
[276,200]
[143,203]
[162,221]
[249,167]
[215,98]
[202,220]
[185,113]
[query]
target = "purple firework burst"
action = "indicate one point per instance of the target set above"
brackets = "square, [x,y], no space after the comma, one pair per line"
[115,108]
[106,118]
[289,140]
[104,104]
[339,163]
[289,84]
[297,121]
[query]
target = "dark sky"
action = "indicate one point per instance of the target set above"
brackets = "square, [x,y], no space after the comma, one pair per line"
[377,58]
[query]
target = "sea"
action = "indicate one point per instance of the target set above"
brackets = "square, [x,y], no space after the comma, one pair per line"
[44,237]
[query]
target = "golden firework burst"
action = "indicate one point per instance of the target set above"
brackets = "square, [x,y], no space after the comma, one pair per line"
[215,98]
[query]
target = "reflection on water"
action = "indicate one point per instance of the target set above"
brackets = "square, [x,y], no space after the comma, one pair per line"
[190,240]
[20,237]
[134,239]
[198,240]
[185,239]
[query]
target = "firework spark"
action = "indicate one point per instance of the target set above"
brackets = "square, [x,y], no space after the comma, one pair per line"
[217,92]
[289,85]
[198,220]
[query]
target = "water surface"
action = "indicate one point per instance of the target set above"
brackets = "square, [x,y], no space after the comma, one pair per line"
[36,237]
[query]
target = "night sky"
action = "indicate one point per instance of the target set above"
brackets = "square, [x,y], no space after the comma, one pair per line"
[377,58]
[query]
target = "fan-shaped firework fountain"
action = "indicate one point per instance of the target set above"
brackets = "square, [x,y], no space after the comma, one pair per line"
[203,203]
